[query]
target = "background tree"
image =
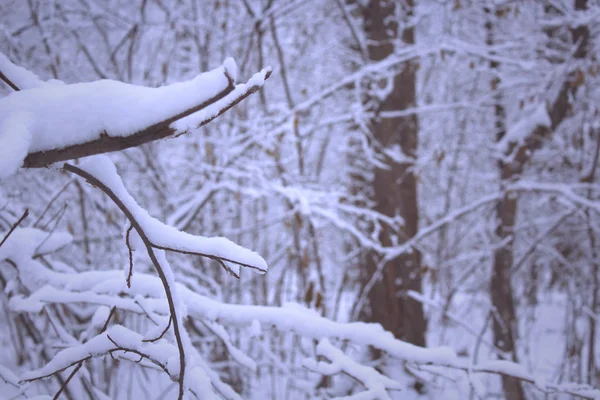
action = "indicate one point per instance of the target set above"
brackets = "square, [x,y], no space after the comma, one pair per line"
[302,172]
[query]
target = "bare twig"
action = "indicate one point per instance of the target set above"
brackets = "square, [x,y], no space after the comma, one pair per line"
[162,334]
[9,82]
[78,367]
[130,251]
[66,382]
[218,259]
[14,226]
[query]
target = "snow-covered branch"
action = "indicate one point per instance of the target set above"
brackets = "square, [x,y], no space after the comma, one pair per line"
[157,238]
[101,172]
[377,384]
[48,122]
[99,288]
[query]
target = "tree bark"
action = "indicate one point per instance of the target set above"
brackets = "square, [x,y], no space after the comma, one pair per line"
[505,322]
[394,189]
[505,325]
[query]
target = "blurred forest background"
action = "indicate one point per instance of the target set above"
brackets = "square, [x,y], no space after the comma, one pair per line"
[429,165]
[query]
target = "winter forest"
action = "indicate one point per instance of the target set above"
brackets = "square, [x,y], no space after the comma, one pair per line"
[299,199]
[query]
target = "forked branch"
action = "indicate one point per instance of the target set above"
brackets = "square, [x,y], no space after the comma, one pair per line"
[151,253]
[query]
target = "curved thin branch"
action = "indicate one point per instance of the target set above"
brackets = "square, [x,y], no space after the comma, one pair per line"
[9,82]
[14,226]
[130,252]
[164,331]
[149,247]
[218,259]
[111,351]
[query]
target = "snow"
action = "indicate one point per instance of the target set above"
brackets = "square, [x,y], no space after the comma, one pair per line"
[192,121]
[234,352]
[377,385]
[200,384]
[25,243]
[44,117]
[20,76]
[255,330]
[167,237]
[99,317]
[16,138]
[261,330]
[504,367]
[102,288]
[231,68]
[518,132]
[155,333]
[146,296]
[7,376]
[102,344]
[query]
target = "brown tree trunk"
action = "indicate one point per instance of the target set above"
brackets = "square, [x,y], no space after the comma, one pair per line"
[505,326]
[394,190]
[505,322]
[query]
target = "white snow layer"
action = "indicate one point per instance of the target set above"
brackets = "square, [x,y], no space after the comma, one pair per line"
[47,116]
[212,110]
[21,77]
[524,127]
[105,288]
[165,236]
[25,243]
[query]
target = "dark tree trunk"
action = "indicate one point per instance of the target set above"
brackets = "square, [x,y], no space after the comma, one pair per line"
[505,322]
[394,190]
[505,326]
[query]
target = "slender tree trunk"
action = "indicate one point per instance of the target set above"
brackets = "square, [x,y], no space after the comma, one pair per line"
[505,326]
[394,189]
[505,322]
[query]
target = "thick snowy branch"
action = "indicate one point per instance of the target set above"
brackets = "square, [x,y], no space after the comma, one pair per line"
[118,341]
[48,122]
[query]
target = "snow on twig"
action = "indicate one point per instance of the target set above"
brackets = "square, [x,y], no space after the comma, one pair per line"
[377,385]
[18,78]
[101,171]
[117,340]
[158,238]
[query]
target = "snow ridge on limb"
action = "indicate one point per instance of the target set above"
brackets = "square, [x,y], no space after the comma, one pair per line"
[103,116]
[163,236]
[18,78]
[117,340]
